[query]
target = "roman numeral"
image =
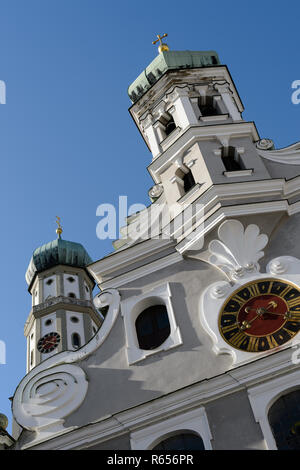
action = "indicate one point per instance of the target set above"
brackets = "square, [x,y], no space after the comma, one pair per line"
[285,291]
[253,344]
[237,339]
[238,299]
[270,287]
[254,290]
[225,329]
[289,332]
[272,341]
[293,302]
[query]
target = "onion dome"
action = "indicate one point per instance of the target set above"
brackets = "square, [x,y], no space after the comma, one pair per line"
[54,253]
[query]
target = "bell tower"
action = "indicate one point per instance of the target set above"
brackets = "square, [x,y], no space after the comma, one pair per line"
[62,316]
[189,113]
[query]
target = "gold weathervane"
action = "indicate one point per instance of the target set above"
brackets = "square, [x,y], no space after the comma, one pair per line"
[59,229]
[162,47]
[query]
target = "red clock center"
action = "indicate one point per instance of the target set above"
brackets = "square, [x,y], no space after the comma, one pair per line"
[263,315]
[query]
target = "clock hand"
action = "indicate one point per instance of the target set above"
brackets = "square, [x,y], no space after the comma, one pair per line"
[247,324]
[286,314]
[50,342]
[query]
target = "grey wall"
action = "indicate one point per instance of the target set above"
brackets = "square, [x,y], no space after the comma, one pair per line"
[232,424]
[118,443]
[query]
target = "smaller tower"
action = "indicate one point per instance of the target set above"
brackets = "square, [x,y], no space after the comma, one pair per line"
[6,440]
[63,316]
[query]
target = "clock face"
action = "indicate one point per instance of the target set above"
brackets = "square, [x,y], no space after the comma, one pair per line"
[261,315]
[48,342]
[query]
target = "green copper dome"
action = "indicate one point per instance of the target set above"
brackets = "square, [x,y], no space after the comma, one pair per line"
[170,60]
[54,253]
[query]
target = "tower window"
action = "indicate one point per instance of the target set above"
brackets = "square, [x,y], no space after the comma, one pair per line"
[70,279]
[184,441]
[48,322]
[152,327]
[72,295]
[31,357]
[284,419]
[74,319]
[208,106]
[49,282]
[170,126]
[76,342]
[231,159]
[188,181]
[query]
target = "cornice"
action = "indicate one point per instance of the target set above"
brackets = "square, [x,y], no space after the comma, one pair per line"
[142,271]
[136,253]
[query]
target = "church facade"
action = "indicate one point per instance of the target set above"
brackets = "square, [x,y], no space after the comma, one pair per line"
[193,340]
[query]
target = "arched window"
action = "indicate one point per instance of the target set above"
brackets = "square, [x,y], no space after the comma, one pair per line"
[183,441]
[231,159]
[152,327]
[284,419]
[76,342]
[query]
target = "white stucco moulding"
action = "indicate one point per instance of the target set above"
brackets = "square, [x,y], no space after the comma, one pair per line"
[264,395]
[132,307]
[194,421]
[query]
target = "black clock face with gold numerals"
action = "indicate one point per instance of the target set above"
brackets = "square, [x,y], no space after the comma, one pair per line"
[48,342]
[261,315]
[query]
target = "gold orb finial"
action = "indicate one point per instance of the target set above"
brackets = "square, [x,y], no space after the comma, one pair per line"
[162,46]
[59,229]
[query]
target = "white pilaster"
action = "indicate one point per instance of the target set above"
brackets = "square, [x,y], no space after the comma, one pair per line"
[183,112]
[226,93]
[151,135]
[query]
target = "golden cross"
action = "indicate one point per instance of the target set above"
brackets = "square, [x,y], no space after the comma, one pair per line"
[159,38]
[59,229]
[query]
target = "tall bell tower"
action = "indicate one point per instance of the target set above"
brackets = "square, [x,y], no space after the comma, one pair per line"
[62,316]
[189,113]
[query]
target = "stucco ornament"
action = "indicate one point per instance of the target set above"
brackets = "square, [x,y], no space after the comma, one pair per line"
[155,192]
[288,155]
[238,250]
[41,402]
[265,144]
[56,388]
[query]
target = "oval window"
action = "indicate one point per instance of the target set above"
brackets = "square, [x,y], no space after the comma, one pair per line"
[152,327]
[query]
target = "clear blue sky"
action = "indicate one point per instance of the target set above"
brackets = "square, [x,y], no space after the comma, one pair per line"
[67,142]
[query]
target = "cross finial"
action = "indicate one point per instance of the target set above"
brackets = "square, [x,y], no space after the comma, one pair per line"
[59,229]
[162,47]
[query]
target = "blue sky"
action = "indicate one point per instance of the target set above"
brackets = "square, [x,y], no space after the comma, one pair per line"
[67,142]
